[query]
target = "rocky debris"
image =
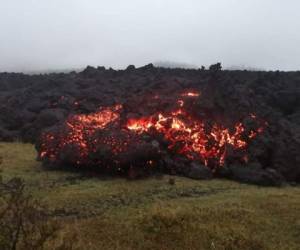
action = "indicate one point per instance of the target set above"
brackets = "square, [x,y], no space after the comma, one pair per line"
[49,117]
[254,175]
[199,172]
[30,104]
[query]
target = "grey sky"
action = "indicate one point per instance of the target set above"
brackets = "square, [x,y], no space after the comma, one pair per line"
[60,34]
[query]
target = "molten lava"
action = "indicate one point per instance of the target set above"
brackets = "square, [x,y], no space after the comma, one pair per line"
[194,138]
[77,132]
[191,94]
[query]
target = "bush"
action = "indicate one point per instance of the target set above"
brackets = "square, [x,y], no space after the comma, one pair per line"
[215,67]
[25,223]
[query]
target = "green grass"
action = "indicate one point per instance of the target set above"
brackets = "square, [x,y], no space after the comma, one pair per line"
[152,214]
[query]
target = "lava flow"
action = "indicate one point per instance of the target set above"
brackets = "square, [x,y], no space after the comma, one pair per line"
[193,138]
[104,134]
[77,131]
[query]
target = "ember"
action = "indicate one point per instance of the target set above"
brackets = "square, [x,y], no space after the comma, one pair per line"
[191,94]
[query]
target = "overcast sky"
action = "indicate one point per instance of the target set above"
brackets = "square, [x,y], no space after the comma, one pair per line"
[64,34]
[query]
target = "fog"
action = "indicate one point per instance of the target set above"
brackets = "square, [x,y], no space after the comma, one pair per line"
[37,35]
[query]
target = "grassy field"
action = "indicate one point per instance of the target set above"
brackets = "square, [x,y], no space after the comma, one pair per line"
[152,214]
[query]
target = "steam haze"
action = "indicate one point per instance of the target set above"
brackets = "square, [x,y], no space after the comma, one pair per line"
[60,34]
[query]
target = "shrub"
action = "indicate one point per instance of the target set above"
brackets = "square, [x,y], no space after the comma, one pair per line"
[25,223]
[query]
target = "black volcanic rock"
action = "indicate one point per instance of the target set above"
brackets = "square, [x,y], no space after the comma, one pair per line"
[199,172]
[29,104]
[254,175]
[49,117]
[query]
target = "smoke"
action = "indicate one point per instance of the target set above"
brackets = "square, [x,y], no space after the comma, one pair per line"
[68,34]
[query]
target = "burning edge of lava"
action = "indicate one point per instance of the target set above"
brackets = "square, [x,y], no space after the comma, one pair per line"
[185,135]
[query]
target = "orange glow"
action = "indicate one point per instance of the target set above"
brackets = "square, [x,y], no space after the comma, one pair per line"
[181,103]
[78,129]
[191,94]
[196,139]
[195,142]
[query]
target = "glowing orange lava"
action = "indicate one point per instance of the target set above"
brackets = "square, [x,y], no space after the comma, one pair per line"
[191,138]
[191,94]
[188,136]
[77,131]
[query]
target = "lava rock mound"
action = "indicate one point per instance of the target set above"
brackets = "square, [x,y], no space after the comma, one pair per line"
[201,123]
